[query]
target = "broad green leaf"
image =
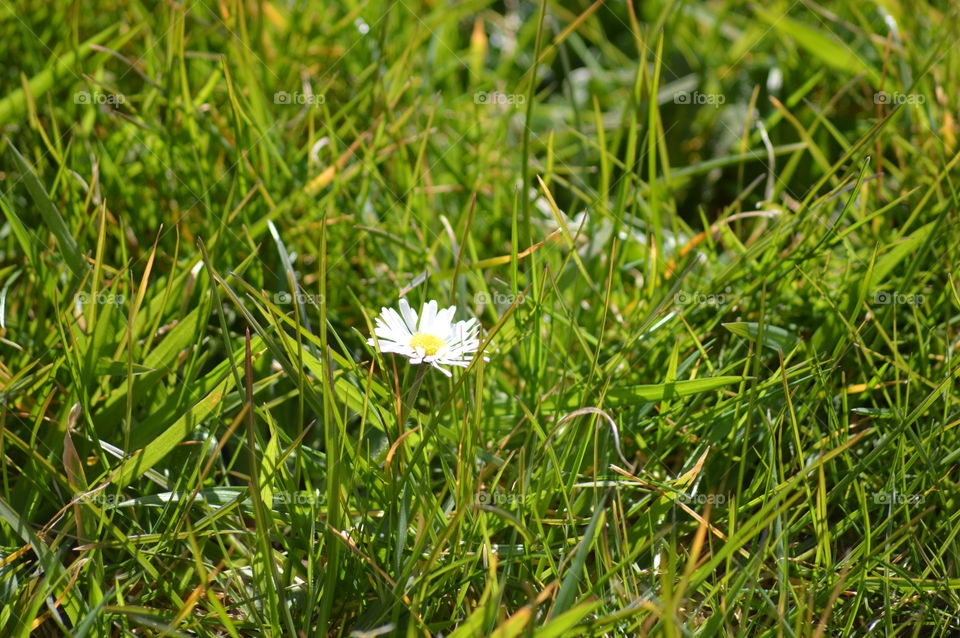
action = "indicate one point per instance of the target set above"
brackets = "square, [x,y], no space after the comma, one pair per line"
[571,580]
[28,243]
[173,435]
[16,102]
[827,48]
[564,624]
[51,217]
[268,469]
[897,253]
[636,394]
[773,337]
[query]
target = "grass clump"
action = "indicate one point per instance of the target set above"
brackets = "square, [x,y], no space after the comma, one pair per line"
[711,248]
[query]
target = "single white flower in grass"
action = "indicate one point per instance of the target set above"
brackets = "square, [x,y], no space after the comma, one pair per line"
[432,338]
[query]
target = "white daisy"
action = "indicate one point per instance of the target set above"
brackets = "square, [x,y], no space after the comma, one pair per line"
[432,338]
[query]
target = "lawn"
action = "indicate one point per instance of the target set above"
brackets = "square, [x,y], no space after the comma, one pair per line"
[513,319]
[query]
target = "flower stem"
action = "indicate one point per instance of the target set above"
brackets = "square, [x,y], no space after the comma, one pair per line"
[410,398]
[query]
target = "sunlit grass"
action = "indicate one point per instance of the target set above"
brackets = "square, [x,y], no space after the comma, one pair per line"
[712,248]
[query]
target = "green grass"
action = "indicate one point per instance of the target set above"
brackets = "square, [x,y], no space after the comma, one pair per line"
[722,405]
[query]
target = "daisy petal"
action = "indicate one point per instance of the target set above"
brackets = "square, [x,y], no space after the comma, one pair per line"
[445,318]
[409,316]
[428,317]
[443,370]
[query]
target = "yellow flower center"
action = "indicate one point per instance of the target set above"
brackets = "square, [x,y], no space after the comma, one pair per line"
[430,343]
